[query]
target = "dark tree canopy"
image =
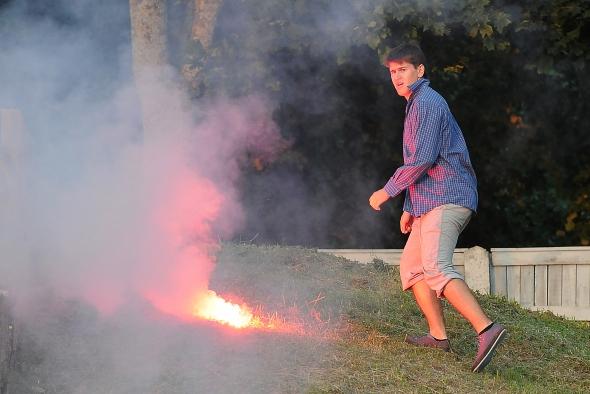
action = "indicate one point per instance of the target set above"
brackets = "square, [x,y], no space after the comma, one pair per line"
[513,72]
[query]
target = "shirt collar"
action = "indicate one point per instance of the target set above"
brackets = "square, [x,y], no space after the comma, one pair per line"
[419,83]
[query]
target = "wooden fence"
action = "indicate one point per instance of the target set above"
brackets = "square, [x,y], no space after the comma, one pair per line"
[553,279]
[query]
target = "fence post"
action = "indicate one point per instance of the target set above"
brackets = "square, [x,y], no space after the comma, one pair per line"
[477,269]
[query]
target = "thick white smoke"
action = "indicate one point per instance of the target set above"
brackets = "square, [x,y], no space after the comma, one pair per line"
[95,208]
[124,223]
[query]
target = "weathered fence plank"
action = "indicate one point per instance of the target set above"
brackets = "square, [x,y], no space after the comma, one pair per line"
[583,286]
[527,285]
[568,285]
[500,281]
[541,285]
[513,283]
[554,273]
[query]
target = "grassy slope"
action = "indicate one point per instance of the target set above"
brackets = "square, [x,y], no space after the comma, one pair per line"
[353,319]
[367,316]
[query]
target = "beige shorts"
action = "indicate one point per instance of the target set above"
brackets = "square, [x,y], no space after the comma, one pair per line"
[428,254]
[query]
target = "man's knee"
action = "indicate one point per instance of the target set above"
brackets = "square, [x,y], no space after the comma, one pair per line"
[438,280]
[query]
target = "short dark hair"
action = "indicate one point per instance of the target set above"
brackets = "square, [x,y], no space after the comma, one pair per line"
[410,53]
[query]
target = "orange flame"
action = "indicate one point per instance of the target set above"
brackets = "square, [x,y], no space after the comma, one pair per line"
[212,307]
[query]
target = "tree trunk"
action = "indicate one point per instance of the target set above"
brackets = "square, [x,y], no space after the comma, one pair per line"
[204,19]
[148,34]
[150,55]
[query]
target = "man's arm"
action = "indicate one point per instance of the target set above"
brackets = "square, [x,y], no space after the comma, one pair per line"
[427,142]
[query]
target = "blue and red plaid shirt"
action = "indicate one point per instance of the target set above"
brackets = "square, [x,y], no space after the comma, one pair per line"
[436,169]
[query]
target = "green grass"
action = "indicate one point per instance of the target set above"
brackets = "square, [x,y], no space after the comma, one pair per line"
[347,321]
[360,315]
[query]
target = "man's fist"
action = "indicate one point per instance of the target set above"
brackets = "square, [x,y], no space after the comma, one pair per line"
[378,198]
[405,223]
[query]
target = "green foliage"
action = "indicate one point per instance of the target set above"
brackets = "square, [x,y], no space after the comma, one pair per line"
[479,19]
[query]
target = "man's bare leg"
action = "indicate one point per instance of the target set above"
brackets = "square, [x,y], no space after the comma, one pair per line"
[431,308]
[460,296]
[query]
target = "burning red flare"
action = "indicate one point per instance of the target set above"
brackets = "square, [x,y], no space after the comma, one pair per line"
[212,307]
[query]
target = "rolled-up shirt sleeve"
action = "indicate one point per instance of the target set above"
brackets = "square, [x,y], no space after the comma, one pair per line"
[420,149]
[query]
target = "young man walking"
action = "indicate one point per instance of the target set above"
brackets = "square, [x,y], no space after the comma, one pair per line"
[440,197]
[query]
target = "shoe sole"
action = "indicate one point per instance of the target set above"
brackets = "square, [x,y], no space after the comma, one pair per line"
[488,356]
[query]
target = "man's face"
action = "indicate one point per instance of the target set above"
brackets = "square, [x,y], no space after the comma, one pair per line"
[403,74]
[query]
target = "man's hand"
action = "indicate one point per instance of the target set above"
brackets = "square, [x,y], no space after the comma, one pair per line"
[378,198]
[405,223]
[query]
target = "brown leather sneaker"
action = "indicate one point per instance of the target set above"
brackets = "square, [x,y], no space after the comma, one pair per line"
[487,343]
[429,341]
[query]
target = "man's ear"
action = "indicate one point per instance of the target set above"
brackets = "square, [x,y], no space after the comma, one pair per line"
[421,70]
